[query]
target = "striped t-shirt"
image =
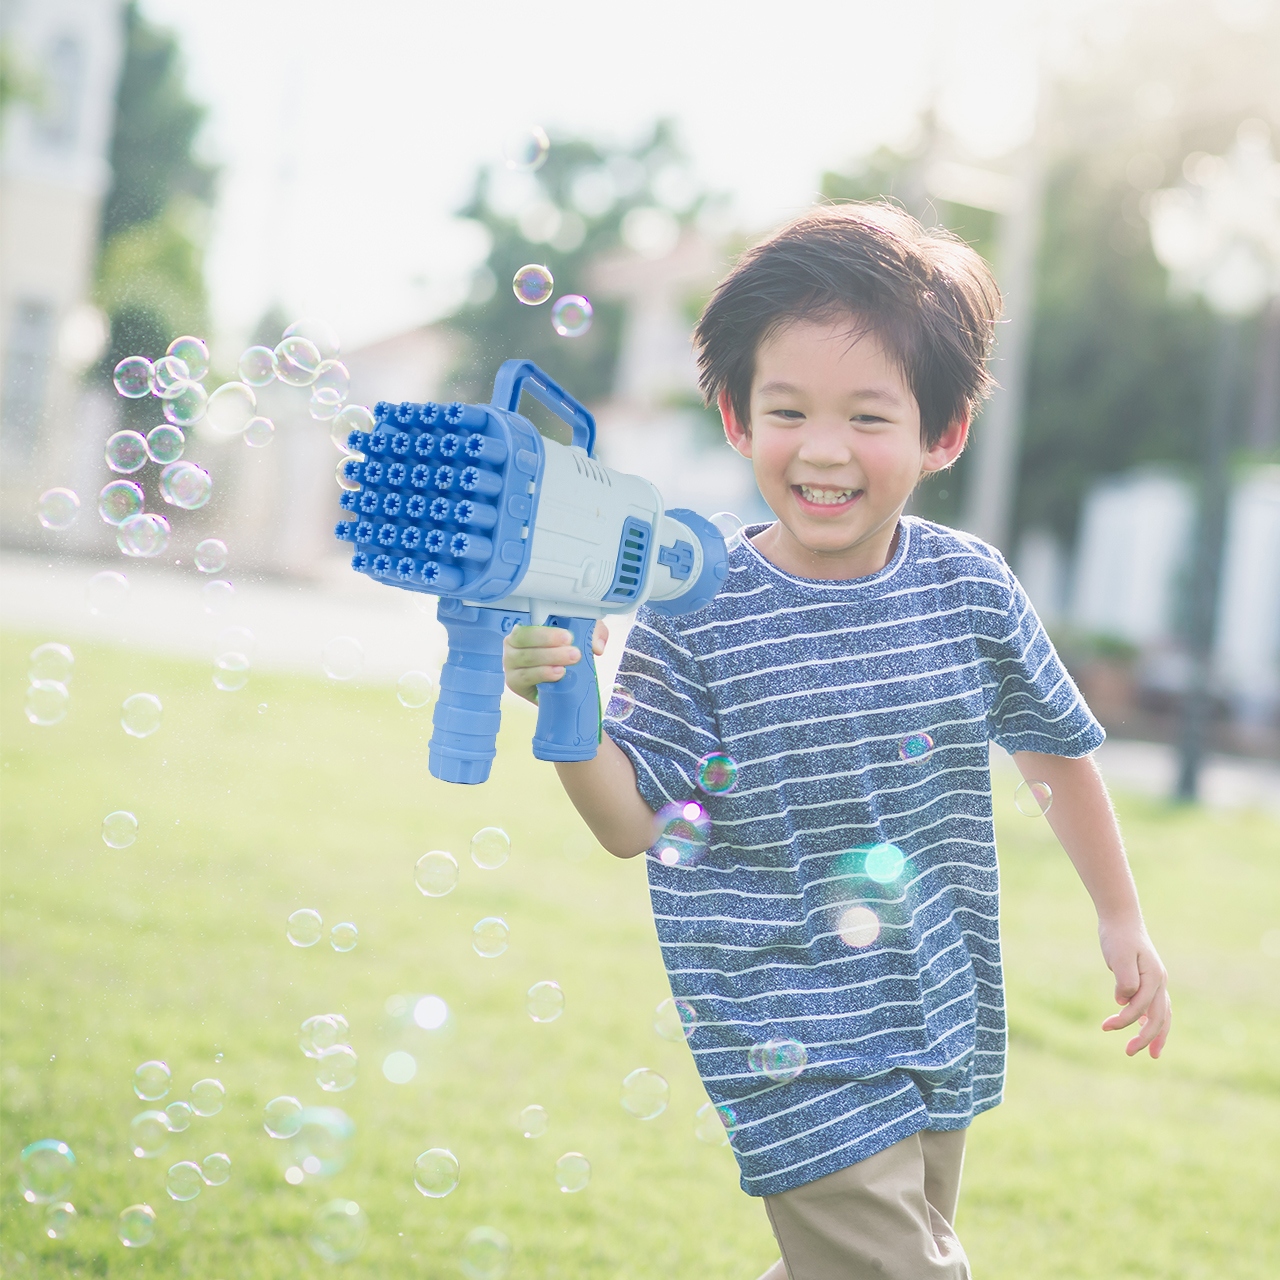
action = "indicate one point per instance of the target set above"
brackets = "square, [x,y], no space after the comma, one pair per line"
[848,897]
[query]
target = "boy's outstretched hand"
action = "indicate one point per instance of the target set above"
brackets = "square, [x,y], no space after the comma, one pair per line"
[539,655]
[1142,986]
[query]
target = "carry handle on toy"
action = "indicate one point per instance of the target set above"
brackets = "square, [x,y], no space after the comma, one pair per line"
[569,708]
[517,376]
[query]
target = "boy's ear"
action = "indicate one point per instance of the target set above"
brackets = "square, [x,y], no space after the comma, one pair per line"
[948,447]
[738,436]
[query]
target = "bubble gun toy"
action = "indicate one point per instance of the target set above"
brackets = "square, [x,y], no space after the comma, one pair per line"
[468,502]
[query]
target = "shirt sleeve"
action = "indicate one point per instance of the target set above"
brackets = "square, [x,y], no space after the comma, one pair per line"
[671,726]
[1035,705]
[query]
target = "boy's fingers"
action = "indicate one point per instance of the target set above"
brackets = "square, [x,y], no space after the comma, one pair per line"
[542,675]
[538,637]
[599,638]
[559,656]
[1155,1025]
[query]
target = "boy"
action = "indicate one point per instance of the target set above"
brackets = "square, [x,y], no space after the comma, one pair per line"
[838,939]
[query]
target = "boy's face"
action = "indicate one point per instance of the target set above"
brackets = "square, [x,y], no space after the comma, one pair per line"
[835,441]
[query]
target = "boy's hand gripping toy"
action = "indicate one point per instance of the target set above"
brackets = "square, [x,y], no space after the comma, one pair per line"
[469,503]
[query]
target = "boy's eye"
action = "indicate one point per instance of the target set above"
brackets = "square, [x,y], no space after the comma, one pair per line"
[791,415]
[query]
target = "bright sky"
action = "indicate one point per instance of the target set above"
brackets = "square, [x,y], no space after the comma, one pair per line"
[348,133]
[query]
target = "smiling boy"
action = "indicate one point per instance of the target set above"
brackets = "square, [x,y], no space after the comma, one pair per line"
[839,939]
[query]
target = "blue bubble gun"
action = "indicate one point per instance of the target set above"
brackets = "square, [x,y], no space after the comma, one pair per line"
[468,502]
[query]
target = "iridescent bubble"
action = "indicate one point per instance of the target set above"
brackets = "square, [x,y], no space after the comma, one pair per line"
[119,831]
[415,689]
[322,1144]
[322,1031]
[211,555]
[571,316]
[713,1124]
[355,417]
[132,377]
[215,1169]
[486,1254]
[915,748]
[143,536]
[258,366]
[534,1121]
[57,508]
[179,1115]
[545,1001]
[193,353]
[59,1219]
[399,1067]
[349,483]
[683,835]
[230,407]
[259,432]
[136,1226]
[778,1060]
[183,1181]
[435,1172]
[281,1117]
[51,661]
[338,1230]
[675,1020]
[324,404]
[319,332]
[573,1171]
[46,702]
[185,485]
[140,714]
[168,374]
[342,658]
[344,936]
[208,1097]
[108,592]
[883,862]
[165,443]
[533,284]
[332,375]
[297,361]
[230,670]
[621,704]
[490,848]
[430,1013]
[119,500]
[645,1094]
[336,1068]
[858,927]
[126,451]
[304,927]
[717,773]
[151,1080]
[1032,799]
[731,528]
[489,937]
[436,873]
[187,405]
[149,1134]
[526,148]
[45,1170]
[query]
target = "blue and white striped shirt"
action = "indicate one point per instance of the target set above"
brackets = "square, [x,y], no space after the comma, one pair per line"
[886,971]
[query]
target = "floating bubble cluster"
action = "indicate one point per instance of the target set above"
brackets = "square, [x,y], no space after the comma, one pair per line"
[435,1172]
[193,353]
[683,835]
[320,1032]
[149,1134]
[59,1219]
[46,1169]
[304,927]
[168,375]
[165,444]
[675,1020]
[187,405]
[184,1181]
[151,1080]
[545,1001]
[179,1115]
[185,485]
[573,1171]
[486,1254]
[297,361]
[731,528]
[533,284]
[1033,799]
[259,432]
[354,417]
[490,848]
[571,315]
[143,536]
[51,661]
[207,1097]
[132,377]
[436,873]
[126,451]
[215,1169]
[281,1117]
[338,1230]
[119,830]
[319,333]
[717,773]
[230,407]
[489,937]
[257,366]
[321,1142]
[336,1068]
[46,702]
[778,1060]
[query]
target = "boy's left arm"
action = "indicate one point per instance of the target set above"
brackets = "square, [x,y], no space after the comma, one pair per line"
[1083,820]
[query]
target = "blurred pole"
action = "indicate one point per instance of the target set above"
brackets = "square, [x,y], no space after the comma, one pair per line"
[1264,429]
[1197,705]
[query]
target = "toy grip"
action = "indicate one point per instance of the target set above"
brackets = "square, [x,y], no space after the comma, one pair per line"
[569,708]
[466,719]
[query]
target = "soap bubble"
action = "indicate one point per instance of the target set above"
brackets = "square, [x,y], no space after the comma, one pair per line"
[645,1094]
[185,485]
[217,595]
[349,483]
[532,284]
[304,927]
[533,1121]
[415,689]
[187,405]
[132,377]
[490,848]
[281,1117]
[230,670]
[179,1116]
[193,353]
[713,1124]
[59,1219]
[140,714]
[545,1001]
[338,1230]
[1032,799]
[165,443]
[57,508]
[778,1060]
[342,658]
[215,1169]
[46,1168]
[183,1181]
[322,1142]
[51,661]
[675,1020]
[344,936]
[332,375]
[259,432]
[119,500]
[858,927]
[149,1134]
[571,315]
[297,361]
[355,417]
[119,831]
[731,528]
[336,1068]
[143,536]
[717,773]
[257,366]
[683,835]
[324,404]
[883,862]
[526,148]
[151,1080]
[573,1171]
[430,1013]
[489,937]
[399,1067]
[207,1097]
[436,873]
[167,375]
[211,555]
[230,407]
[108,592]
[435,1172]
[322,1031]
[621,704]
[320,333]
[126,451]
[46,702]
[136,1226]
[486,1254]
[915,748]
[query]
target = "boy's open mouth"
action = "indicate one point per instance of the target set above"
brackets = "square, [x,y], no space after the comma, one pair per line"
[825,499]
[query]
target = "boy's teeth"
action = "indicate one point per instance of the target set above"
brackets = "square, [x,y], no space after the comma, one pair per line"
[826,497]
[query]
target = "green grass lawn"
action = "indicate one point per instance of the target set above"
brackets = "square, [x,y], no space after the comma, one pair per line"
[175,948]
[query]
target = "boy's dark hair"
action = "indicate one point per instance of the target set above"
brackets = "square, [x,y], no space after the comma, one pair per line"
[929,298]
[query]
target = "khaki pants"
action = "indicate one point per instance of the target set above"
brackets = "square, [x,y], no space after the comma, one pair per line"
[885,1218]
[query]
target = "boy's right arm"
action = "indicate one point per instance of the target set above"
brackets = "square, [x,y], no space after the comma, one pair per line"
[603,789]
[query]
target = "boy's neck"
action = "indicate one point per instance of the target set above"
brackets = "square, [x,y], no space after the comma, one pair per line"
[781,548]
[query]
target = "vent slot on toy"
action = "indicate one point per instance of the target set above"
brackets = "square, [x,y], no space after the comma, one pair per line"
[633,555]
